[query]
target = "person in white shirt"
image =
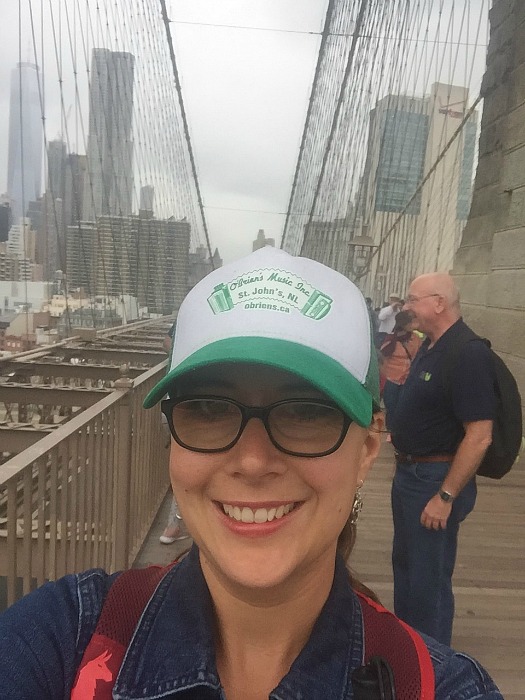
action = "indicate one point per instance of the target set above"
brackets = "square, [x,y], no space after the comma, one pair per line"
[387,316]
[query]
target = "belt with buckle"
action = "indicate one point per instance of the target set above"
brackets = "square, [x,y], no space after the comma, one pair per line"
[411,459]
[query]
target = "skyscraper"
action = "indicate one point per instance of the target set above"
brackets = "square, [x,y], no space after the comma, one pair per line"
[24,166]
[262,241]
[76,177]
[137,255]
[6,218]
[108,188]
[147,198]
[417,226]
[56,168]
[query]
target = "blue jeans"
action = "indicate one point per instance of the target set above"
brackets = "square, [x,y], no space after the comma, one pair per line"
[423,560]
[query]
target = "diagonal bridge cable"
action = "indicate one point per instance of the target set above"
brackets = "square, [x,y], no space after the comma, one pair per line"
[335,120]
[185,125]
[322,50]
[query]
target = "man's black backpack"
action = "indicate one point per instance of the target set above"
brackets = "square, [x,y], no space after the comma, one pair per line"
[508,425]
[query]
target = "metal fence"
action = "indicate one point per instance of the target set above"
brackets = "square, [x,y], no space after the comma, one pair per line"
[84,495]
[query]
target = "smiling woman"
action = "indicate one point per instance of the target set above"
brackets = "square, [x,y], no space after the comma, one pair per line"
[275,424]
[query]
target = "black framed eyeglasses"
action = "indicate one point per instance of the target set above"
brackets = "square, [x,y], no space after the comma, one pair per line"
[299,427]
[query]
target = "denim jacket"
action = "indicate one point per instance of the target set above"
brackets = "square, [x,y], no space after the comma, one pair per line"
[43,637]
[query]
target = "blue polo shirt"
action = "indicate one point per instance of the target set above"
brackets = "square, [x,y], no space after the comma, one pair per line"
[428,420]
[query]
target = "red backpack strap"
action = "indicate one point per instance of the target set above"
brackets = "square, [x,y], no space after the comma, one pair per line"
[407,654]
[123,606]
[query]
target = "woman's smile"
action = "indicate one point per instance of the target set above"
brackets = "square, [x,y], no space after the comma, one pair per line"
[261,519]
[257,514]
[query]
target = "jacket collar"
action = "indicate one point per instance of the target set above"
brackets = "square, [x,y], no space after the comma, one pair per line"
[172,648]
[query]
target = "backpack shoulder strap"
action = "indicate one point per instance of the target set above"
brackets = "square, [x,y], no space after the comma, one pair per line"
[122,609]
[389,637]
[384,634]
[453,353]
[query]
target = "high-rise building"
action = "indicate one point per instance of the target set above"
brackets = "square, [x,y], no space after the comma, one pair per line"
[418,227]
[261,241]
[22,240]
[200,264]
[108,187]
[6,217]
[51,248]
[147,198]
[76,169]
[18,254]
[136,255]
[56,168]
[34,214]
[24,166]
[328,242]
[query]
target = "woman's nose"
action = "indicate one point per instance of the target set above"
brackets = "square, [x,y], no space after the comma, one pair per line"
[254,452]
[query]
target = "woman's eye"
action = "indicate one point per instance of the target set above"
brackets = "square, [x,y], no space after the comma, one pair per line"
[210,409]
[309,411]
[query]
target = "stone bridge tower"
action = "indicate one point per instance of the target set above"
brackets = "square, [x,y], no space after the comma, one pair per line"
[490,264]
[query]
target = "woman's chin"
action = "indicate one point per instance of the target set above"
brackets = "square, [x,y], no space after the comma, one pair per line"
[252,570]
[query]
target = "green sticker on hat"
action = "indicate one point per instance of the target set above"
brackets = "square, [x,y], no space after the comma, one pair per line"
[272,290]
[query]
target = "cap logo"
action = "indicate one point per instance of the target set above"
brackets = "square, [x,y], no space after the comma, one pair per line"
[273,290]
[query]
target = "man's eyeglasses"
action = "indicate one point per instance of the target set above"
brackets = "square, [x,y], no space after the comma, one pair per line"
[300,427]
[411,299]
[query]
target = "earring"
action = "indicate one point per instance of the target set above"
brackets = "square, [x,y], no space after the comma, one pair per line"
[358,505]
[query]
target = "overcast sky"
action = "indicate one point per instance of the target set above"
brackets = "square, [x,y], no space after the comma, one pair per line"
[246,93]
[251,87]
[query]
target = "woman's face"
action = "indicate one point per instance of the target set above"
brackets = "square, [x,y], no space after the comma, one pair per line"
[318,492]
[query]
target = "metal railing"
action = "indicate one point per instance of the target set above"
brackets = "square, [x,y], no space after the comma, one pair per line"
[86,494]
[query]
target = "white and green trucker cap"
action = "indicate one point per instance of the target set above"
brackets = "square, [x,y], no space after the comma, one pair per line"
[275,309]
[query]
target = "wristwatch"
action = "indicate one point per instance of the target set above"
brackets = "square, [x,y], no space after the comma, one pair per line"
[446,496]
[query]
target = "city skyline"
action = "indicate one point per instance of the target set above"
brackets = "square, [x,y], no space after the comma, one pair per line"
[246,97]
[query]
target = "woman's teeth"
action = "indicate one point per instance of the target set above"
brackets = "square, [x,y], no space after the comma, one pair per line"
[261,515]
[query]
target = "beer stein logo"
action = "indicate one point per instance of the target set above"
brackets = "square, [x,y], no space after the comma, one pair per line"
[220,299]
[317,306]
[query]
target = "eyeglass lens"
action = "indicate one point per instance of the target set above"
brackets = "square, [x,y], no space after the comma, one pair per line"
[303,427]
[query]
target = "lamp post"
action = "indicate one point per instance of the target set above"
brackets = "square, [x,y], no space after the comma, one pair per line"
[361,248]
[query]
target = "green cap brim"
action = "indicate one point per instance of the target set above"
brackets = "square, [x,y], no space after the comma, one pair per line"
[313,366]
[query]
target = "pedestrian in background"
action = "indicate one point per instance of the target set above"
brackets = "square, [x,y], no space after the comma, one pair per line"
[397,352]
[440,437]
[387,318]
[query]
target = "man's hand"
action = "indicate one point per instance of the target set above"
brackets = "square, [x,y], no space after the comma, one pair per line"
[436,513]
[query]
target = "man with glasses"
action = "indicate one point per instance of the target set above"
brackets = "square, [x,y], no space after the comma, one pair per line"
[440,435]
